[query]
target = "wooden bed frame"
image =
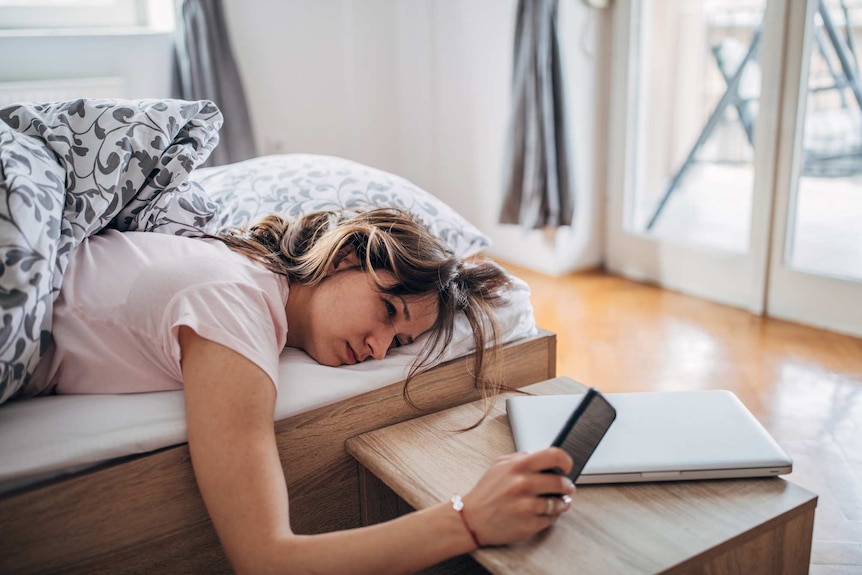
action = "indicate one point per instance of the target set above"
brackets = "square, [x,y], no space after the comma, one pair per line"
[145,515]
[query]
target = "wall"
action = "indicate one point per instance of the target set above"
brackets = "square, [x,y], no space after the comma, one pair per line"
[417,87]
[319,76]
[422,88]
[472,78]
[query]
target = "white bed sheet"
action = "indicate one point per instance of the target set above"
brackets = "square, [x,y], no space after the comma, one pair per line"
[46,437]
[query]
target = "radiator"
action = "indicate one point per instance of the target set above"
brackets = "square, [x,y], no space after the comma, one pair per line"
[58,90]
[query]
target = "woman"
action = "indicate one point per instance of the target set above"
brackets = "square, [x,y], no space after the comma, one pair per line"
[211,316]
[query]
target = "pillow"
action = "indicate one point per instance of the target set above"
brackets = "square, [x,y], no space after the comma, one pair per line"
[297,184]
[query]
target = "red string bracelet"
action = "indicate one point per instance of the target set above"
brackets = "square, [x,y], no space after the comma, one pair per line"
[458,505]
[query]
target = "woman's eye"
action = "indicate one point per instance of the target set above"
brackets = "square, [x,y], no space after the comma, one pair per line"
[390,309]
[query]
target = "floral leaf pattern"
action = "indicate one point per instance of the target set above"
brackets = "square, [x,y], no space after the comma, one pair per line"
[71,169]
[296,184]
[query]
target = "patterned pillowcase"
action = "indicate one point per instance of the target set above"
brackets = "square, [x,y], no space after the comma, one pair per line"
[296,184]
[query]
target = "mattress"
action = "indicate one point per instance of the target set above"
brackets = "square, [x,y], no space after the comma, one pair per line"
[46,437]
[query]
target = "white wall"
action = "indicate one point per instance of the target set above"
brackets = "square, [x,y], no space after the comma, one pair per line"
[319,76]
[417,87]
[472,80]
[422,88]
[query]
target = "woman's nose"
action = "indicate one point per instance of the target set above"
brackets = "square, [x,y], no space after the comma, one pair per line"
[379,343]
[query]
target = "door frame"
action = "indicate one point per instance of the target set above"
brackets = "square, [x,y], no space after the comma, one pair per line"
[796,295]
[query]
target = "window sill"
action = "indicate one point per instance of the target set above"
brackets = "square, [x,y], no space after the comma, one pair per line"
[84,32]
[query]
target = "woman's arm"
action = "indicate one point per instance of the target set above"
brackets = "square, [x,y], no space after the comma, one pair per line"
[229,411]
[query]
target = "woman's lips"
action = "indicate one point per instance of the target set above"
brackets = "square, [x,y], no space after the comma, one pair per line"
[351,357]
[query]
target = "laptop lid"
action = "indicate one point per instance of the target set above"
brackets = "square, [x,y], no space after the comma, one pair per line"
[659,436]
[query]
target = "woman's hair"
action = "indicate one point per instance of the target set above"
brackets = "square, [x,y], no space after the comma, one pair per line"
[389,240]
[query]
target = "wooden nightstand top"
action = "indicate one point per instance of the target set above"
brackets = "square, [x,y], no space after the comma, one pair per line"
[635,528]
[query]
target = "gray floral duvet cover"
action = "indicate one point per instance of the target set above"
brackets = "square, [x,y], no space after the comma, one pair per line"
[71,169]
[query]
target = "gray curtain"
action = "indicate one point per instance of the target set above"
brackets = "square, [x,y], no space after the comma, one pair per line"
[539,190]
[204,69]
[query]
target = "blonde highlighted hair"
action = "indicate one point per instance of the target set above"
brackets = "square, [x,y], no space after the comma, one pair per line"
[389,240]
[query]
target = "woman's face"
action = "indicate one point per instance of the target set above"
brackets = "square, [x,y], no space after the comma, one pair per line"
[346,319]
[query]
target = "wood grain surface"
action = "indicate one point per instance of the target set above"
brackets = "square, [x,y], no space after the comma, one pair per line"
[637,528]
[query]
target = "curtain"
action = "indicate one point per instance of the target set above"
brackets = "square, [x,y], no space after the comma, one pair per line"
[538,192]
[204,69]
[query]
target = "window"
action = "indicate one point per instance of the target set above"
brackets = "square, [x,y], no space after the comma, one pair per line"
[736,171]
[87,14]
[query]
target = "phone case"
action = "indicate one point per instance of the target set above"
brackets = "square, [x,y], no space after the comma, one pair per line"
[585,428]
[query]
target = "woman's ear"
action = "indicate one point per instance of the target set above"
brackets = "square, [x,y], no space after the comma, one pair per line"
[345,259]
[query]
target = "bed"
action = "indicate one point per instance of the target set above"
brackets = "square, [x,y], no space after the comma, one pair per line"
[143,513]
[104,483]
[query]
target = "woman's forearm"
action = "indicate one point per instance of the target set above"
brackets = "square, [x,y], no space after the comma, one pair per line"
[403,545]
[229,407]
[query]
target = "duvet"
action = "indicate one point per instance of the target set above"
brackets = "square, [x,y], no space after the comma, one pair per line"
[71,169]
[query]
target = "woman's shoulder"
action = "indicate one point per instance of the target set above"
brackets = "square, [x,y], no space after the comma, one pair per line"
[151,243]
[145,261]
[148,251]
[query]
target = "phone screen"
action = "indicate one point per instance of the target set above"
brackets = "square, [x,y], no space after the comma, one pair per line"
[584,429]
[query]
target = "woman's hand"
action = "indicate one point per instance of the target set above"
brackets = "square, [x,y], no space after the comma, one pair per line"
[510,502]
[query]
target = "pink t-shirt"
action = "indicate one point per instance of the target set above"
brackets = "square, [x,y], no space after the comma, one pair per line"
[125,295]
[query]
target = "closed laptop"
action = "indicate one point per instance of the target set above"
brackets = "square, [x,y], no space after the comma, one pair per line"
[659,436]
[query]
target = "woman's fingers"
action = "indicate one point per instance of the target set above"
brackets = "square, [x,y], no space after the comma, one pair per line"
[529,476]
[550,484]
[515,499]
[552,505]
[551,458]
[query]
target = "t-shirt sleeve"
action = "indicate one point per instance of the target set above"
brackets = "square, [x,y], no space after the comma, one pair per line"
[236,315]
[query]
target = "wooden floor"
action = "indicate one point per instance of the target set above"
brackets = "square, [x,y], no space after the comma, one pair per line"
[804,384]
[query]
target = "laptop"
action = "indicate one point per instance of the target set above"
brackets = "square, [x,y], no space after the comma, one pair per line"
[658,436]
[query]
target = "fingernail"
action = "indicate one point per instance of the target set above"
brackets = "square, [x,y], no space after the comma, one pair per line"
[568,483]
[567,500]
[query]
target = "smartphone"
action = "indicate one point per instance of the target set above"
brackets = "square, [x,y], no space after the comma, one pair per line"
[584,429]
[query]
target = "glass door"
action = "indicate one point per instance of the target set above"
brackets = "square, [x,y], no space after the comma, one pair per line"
[816,263]
[694,117]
